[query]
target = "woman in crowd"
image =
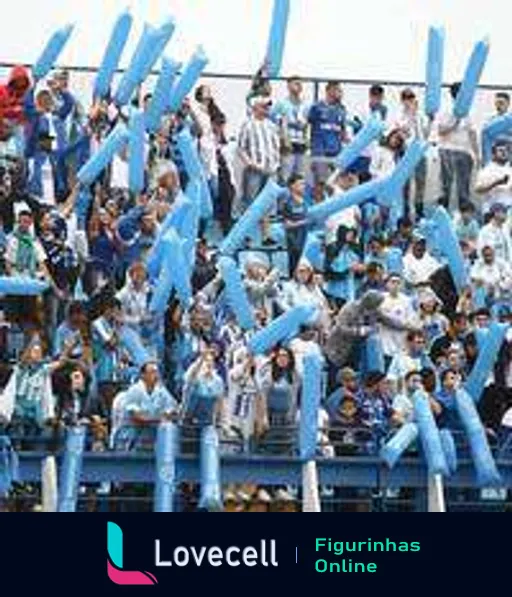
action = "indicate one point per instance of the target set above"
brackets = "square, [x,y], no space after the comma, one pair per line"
[280,391]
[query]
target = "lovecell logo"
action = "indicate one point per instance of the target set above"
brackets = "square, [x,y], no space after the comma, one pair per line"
[115,561]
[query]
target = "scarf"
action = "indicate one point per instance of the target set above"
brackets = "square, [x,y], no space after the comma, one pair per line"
[25,253]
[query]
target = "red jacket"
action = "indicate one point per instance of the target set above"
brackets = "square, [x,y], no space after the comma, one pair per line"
[11,97]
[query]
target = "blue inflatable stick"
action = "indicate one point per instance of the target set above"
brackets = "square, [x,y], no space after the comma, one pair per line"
[136,151]
[210,498]
[166,448]
[398,444]
[176,218]
[163,35]
[449,449]
[159,100]
[314,252]
[474,69]
[244,228]
[435,64]
[22,286]
[501,125]
[112,56]
[190,224]
[173,256]
[164,287]
[277,37]
[236,294]
[487,355]
[281,328]
[374,357]
[188,79]
[394,261]
[393,186]
[449,247]
[131,342]
[195,170]
[51,52]
[429,435]
[115,141]
[309,405]
[486,472]
[134,74]
[371,131]
[322,211]
[71,469]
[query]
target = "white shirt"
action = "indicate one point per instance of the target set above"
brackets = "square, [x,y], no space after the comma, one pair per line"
[400,309]
[414,124]
[207,143]
[349,217]
[497,237]
[499,194]
[119,178]
[403,405]
[459,139]
[418,271]
[497,275]
[383,162]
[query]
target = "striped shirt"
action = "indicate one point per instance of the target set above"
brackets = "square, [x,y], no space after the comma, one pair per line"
[259,140]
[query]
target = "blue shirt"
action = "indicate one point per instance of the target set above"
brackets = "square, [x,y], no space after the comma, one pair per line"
[327,126]
[202,398]
[447,418]
[295,116]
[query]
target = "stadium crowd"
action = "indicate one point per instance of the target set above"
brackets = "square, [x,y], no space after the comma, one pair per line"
[368,273]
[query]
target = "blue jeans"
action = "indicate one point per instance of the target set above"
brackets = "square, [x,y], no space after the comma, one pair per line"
[252,184]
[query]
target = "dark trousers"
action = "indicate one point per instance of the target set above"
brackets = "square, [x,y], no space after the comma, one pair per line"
[455,166]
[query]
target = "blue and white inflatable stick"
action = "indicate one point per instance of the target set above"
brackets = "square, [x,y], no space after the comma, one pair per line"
[132,343]
[449,247]
[112,56]
[71,469]
[429,435]
[245,226]
[159,100]
[210,498]
[114,143]
[474,69]
[319,213]
[310,403]
[487,355]
[136,144]
[188,79]
[166,448]
[22,286]
[398,444]
[435,64]
[277,37]
[236,294]
[486,472]
[51,52]
[281,328]
[370,132]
